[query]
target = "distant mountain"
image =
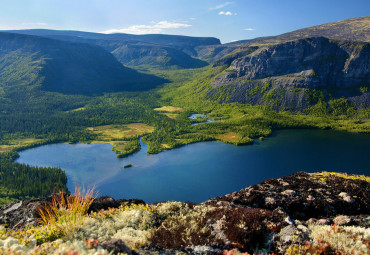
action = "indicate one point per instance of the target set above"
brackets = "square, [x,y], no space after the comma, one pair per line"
[297,69]
[291,71]
[72,68]
[356,29]
[185,43]
[157,49]
[135,54]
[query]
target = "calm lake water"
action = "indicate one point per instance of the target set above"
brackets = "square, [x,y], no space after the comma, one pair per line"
[199,171]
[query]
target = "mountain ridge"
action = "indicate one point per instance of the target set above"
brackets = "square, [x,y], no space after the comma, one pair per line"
[65,66]
[164,50]
[281,75]
[357,29]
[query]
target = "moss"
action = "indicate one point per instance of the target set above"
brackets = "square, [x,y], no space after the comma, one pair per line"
[323,175]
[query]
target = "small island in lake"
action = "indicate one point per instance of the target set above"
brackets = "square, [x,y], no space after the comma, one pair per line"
[128,166]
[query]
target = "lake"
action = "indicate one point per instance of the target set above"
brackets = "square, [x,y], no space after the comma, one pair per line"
[199,171]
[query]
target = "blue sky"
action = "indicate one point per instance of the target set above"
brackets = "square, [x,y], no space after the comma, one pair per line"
[227,20]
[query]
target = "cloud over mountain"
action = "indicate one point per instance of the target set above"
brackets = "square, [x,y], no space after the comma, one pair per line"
[154,28]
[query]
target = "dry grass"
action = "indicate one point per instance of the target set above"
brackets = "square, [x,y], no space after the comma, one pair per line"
[4,148]
[169,109]
[78,109]
[166,146]
[229,137]
[117,132]
[117,136]
[171,115]
[65,212]
[13,144]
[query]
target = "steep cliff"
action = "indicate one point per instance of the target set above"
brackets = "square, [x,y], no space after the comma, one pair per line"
[283,75]
[356,29]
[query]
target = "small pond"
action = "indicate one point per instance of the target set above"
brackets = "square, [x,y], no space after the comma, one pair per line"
[194,116]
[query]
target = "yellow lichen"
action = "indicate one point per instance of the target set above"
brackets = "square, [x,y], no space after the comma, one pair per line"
[322,175]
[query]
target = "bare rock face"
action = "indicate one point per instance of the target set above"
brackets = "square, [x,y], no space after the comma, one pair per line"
[284,71]
[328,62]
[18,215]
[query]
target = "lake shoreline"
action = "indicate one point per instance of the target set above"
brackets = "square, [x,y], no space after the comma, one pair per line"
[195,168]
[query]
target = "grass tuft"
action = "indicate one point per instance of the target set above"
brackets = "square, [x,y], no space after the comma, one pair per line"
[65,213]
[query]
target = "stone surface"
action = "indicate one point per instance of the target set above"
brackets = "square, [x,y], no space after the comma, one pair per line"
[117,246]
[346,197]
[323,199]
[323,222]
[283,72]
[342,220]
[106,202]
[18,215]
[290,235]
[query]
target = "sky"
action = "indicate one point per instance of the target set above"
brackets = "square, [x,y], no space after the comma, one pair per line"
[228,20]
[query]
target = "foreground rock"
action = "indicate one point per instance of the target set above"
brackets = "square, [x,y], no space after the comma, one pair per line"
[298,214]
[303,196]
[26,212]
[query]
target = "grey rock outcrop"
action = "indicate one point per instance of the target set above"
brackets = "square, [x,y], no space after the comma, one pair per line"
[281,73]
[20,214]
[296,198]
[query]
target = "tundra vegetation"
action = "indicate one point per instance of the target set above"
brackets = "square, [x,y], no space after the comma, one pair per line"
[70,224]
[159,116]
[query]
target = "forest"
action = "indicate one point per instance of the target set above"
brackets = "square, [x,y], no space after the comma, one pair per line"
[47,117]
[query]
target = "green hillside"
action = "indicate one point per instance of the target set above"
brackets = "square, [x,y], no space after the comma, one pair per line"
[165,51]
[58,91]
[72,68]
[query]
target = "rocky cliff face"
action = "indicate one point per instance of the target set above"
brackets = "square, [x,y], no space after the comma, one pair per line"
[281,73]
[356,29]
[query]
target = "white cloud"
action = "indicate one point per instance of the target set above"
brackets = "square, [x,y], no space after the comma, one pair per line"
[226,13]
[220,6]
[155,28]
[39,24]
[192,18]
[249,29]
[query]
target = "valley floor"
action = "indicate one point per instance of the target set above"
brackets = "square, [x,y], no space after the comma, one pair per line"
[160,116]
